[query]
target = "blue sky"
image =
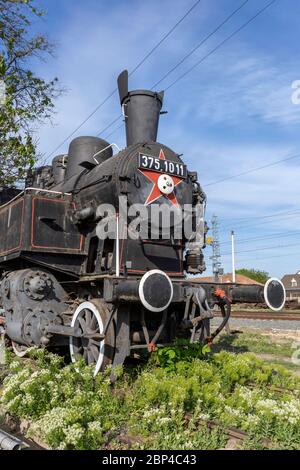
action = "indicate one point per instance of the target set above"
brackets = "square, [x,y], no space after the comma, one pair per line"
[232,113]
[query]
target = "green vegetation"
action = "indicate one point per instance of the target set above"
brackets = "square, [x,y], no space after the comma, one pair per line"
[254,342]
[272,350]
[255,274]
[26,99]
[162,405]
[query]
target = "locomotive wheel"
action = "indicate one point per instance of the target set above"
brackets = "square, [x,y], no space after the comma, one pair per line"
[91,317]
[19,349]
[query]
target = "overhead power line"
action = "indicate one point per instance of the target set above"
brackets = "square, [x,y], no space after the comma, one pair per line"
[131,73]
[247,172]
[286,255]
[254,250]
[164,37]
[255,224]
[210,53]
[115,130]
[182,60]
[109,125]
[255,217]
[177,65]
[248,222]
[244,25]
[257,239]
[200,44]
[82,123]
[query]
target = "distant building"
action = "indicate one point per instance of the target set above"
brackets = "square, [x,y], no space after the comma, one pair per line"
[291,283]
[227,278]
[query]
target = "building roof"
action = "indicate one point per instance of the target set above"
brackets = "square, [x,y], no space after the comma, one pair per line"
[227,278]
[288,281]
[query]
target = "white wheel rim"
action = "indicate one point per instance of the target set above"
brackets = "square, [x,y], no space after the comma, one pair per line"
[92,307]
[19,352]
[266,294]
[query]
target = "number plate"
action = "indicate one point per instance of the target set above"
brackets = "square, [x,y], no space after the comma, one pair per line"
[147,162]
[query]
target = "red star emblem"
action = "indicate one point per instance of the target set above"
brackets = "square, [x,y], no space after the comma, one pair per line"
[155,191]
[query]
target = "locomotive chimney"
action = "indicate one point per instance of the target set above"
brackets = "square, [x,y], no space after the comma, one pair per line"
[141,109]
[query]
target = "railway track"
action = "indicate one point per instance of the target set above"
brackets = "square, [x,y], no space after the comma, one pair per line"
[264,316]
[235,437]
[12,440]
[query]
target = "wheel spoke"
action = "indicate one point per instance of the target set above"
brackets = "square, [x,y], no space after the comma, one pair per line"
[85,354]
[78,348]
[94,323]
[93,334]
[95,352]
[90,357]
[82,323]
[88,316]
[95,342]
[95,331]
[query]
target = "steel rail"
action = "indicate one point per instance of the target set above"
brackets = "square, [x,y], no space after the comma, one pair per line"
[264,316]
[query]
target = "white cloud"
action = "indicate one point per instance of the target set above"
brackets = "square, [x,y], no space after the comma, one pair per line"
[243,84]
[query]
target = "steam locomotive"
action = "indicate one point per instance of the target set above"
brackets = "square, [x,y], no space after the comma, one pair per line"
[62,285]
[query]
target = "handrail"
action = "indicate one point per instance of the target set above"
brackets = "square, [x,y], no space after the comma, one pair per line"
[49,191]
[103,150]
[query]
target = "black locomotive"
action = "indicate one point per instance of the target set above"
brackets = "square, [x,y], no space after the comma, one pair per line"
[62,284]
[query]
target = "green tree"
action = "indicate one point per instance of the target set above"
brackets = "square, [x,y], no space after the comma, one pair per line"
[255,274]
[28,99]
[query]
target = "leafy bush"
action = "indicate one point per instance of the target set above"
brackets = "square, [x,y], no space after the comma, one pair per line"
[162,407]
[255,274]
[181,350]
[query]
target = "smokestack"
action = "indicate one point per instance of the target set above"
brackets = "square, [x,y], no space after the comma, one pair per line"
[141,110]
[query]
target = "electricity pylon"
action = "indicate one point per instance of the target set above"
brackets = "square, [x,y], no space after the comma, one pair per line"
[216,254]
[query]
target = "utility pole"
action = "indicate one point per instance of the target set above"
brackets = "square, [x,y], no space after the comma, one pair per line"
[216,256]
[233,256]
